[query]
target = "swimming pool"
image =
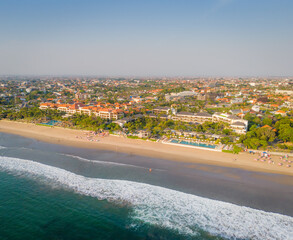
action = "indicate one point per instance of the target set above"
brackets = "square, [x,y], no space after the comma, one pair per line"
[51,123]
[194,144]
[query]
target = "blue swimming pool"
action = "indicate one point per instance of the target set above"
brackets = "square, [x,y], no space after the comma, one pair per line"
[194,144]
[51,123]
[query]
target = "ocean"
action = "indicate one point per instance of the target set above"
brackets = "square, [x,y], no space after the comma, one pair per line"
[50,191]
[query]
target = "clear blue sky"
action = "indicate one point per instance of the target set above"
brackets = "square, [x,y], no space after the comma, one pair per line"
[147,37]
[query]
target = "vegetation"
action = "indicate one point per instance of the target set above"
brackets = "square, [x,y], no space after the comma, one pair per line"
[268,133]
[161,127]
[31,114]
[79,121]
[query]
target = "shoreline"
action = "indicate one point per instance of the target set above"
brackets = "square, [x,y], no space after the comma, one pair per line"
[76,138]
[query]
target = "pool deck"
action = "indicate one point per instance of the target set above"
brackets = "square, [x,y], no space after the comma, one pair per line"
[190,146]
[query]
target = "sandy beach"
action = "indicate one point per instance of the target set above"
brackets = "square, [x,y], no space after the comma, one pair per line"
[78,138]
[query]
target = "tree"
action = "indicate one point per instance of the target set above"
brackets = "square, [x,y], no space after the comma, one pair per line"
[264,143]
[113,127]
[283,121]
[266,134]
[253,143]
[267,121]
[227,131]
[257,120]
[225,140]
[253,127]
[286,133]
[236,149]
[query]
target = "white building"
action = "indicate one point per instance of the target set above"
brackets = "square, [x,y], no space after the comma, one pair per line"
[287,92]
[255,108]
[237,124]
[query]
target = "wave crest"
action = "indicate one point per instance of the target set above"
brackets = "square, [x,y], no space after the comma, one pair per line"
[183,212]
[101,162]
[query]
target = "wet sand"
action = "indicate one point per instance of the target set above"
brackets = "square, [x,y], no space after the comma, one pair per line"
[77,138]
[265,191]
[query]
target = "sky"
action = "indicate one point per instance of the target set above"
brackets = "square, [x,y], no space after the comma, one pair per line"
[146,37]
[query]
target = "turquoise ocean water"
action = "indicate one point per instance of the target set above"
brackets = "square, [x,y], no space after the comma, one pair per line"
[30,210]
[46,193]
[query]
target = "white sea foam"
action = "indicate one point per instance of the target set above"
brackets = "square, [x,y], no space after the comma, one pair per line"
[2,147]
[164,207]
[102,162]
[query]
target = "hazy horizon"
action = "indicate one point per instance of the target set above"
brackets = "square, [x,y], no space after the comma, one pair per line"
[213,38]
[137,76]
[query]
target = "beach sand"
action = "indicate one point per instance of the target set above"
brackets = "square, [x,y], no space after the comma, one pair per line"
[78,138]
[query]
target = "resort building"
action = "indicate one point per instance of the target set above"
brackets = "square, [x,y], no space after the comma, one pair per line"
[73,108]
[192,117]
[143,134]
[79,108]
[237,124]
[63,107]
[239,127]
[44,106]
[85,110]
[123,121]
[151,115]
[109,113]
[184,117]
[164,110]
[223,117]
[202,117]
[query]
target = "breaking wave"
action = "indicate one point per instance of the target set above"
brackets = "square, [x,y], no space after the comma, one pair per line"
[185,213]
[102,162]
